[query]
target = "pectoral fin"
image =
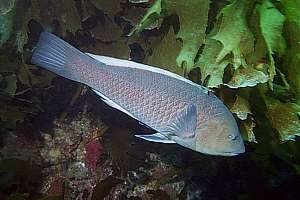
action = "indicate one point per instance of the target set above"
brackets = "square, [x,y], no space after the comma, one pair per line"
[184,123]
[157,137]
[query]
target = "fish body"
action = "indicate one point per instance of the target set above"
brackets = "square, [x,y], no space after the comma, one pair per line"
[179,110]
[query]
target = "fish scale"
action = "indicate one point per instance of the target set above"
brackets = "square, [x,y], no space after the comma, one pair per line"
[150,97]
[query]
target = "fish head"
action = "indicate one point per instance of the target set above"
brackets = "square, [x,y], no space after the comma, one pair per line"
[219,136]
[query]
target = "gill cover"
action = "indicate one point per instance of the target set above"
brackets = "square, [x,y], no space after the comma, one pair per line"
[220,136]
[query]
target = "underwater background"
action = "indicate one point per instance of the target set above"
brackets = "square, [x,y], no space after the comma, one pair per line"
[58,140]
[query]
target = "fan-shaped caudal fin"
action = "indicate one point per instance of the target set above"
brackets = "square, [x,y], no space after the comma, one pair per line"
[60,57]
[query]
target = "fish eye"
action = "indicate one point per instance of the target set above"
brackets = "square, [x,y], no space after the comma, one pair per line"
[231,137]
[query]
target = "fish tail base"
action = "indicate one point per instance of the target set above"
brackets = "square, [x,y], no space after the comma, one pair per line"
[56,55]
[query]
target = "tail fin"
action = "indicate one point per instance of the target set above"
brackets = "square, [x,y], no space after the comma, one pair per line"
[60,57]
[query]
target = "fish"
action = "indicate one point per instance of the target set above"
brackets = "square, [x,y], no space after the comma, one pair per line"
[179,110]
